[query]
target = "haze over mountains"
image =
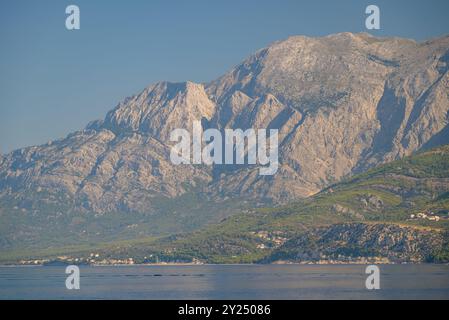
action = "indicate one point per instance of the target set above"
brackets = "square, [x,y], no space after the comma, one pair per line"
[342,103]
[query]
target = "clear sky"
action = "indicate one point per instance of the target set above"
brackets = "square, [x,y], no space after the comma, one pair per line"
[54,81]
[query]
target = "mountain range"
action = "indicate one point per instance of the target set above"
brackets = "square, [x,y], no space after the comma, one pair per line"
[343,104]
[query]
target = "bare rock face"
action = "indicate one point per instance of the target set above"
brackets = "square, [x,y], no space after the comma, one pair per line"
[120,164]
[342,104]
[161,108]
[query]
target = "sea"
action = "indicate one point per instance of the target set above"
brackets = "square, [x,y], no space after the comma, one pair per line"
[228,282]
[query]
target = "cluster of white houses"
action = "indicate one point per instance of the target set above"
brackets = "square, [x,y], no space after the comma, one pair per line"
[423,215]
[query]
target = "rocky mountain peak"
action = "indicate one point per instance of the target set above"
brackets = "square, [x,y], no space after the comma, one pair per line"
[160,108]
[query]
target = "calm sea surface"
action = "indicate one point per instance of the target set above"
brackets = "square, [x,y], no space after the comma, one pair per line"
[227,282]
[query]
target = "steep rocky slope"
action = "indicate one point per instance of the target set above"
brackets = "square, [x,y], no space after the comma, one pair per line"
[355,240]
[343,103]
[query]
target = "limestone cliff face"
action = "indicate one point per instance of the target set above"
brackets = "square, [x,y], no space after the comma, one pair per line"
[117,165]
[342,103]
[161,108]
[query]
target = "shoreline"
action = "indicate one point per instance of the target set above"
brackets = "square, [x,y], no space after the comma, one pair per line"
[221,264]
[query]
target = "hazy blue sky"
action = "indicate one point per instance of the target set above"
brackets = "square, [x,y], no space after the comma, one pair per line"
[54,81]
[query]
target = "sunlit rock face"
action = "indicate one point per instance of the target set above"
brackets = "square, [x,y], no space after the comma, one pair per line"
[342,104]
